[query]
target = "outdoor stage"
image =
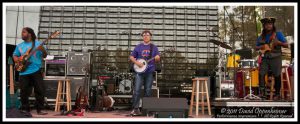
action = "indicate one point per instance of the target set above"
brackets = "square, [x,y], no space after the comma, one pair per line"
[216,109]
[104,114]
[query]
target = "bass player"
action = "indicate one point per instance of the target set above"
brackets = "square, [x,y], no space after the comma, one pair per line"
[270,41]
[32,76]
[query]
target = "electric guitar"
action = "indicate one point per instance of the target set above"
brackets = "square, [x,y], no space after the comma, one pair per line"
[82,98]
[140,70]
[23,62]
[268,47]
[13,97]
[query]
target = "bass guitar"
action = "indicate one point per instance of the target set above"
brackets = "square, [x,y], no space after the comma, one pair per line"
[23,62]
[82,103]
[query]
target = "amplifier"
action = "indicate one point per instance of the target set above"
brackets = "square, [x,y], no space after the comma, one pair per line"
[76,63]
[165,107]
[227,88]
[78,58]
[75,69]
[50,89]
[76,82]
[55,67]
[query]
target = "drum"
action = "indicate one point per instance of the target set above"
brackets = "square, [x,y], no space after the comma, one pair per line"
[248,63]
[108,101]
[232,61]
[239,86]
[227,88]
[254,78]
[125,76]
[125,86]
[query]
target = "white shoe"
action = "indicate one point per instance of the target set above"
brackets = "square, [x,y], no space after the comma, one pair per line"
[135,112]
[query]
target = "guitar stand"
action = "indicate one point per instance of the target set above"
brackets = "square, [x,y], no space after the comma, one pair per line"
[79,112]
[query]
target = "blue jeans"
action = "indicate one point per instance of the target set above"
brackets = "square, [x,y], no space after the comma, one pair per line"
[140,79]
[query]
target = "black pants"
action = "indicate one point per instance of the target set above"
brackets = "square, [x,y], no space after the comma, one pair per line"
[271,66]
[34,80]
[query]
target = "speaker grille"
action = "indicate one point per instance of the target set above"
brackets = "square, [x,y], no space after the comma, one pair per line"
[76,63]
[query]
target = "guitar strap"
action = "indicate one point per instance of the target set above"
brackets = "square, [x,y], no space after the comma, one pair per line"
[272,37]
[150,55]
[32,47]
[276,49]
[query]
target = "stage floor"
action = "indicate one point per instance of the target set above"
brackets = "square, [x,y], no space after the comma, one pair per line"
[258,103]
[106,114]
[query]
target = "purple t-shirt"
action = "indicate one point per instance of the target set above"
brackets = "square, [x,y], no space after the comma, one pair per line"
[142,51]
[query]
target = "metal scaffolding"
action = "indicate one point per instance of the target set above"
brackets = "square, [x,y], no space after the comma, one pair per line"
[101,28]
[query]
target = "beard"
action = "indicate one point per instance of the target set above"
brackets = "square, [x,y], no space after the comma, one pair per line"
[24,38]
[269,30]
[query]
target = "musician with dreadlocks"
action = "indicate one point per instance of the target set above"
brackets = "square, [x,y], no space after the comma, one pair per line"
[271,60]
[32,76]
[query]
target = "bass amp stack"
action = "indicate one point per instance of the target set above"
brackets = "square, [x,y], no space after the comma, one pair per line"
[76,63]
[76,69]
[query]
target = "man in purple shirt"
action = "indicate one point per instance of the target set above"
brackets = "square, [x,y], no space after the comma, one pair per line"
[143,51]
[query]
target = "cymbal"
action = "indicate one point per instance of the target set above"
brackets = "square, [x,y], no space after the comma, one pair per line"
[220,43]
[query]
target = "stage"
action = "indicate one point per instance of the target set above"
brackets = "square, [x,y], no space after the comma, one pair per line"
[124,113]
[252,103]
[104,114]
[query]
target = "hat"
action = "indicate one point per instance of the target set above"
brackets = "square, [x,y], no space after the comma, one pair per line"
[146,31]
[268,20]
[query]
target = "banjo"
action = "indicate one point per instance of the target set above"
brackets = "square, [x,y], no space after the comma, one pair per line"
[140,70]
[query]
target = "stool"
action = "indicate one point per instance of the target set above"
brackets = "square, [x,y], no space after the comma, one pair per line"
[285,79]
[197,82]
[63,89]
[272,90]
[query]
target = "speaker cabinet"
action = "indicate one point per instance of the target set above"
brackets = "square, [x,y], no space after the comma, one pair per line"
[77,62]
[76,82]
[165,107]
[50,88]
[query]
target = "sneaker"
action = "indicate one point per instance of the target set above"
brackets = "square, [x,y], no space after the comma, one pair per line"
[135,112]
[41,113]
